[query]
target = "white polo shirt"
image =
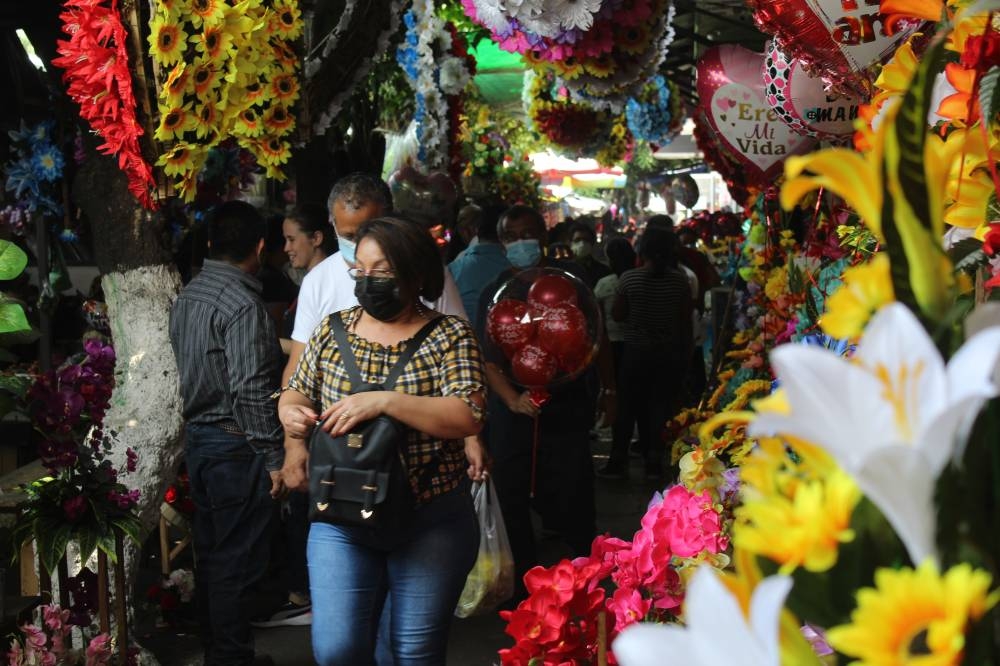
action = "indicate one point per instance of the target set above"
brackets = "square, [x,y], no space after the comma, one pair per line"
[328,288]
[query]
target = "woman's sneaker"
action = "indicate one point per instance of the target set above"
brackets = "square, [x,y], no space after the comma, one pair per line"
[289,615]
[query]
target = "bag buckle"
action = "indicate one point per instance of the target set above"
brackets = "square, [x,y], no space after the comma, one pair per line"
[355,440]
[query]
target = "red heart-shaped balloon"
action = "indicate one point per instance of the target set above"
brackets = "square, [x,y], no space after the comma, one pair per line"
[802,100]
[839,40]
[731,94]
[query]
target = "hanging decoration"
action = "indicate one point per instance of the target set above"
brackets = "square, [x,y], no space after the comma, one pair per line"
[840,41]
[438,68]
[802,101]
[656,113]
[494,167]
[229,71]
[731,92]
[95,68]
[37,163]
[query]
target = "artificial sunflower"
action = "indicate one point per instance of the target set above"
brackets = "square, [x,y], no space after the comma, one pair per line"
[249,123]
[278,121]
[206,124]
[167,40]
[206,12]
[633,39]
[254,92]
[284,88]
[214,43]
[284,56]
[915,616]
[174,123]
[178,84]
[183,158]
[238,23]
[867,287]
[286,21]
[569,69]
[206,77]
[272,151]
[600,67]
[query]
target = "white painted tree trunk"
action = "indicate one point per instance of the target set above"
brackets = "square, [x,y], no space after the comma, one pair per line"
[145,411]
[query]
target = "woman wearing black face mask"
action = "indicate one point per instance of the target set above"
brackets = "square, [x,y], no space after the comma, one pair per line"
[440,398]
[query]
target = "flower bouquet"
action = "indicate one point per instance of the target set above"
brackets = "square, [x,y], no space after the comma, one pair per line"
[49,642]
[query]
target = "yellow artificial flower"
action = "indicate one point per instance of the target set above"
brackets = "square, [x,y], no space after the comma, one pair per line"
[178,84]
[914,617]
[214,43]
[284,88]
[238,22]
[969,184]
[182,159]
[866,288]
[284,56]
[174,123]
[701,470]
[633,39]
[286,20]
[569,69]
[895,77]
[277,120]
[600,67]
[254,93]
[206,76]
[207,122]
[777,284]
[206,12]
[796,511]
[168,7]
[249,123]
[167,40]
[272,151]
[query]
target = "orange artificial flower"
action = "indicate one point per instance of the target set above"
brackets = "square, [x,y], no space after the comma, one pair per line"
[960,106]
[928,10]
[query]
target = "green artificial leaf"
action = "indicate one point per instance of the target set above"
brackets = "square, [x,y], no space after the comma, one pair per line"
[15,385]
[51,538]
[13,260]
[106,542]
[130,527]
[12,319]
[989,92]
[967,255]
[88,543]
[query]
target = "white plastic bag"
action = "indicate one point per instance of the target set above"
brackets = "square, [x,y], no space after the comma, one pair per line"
[491,581]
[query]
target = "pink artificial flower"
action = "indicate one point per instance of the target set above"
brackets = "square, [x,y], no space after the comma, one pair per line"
[34,639]
[629,607]
[15,656]
[687,522]
[99,651]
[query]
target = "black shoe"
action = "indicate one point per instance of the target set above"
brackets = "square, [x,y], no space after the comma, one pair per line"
[612,471]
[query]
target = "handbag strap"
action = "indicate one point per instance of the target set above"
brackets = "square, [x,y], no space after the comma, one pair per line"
[351,364]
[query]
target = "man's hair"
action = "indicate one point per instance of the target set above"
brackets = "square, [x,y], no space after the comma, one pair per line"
[661,221]
[520,211]
[621,255]
[234,229]
[411,252]
[359,189]
[585,228]
[489,218]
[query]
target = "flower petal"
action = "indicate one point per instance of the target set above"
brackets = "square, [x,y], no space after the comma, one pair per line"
[645,644]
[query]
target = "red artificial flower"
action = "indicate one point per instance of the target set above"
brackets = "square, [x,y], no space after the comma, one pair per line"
[991,241]
[982,52]
[97,78]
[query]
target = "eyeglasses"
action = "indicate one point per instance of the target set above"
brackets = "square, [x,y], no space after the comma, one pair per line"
[380,273]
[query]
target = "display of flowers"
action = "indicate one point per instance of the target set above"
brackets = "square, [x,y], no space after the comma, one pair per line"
[167,596]
[229,70]
[49,641]
[95,66]
[438,67]
[656,113]
[82,498]
[36,164]
[492,166]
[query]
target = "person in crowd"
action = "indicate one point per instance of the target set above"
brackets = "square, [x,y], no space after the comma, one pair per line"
[279,289]
[481,262]
[654,302]
[229,364]
[466,228]
[328,288]
[622,258]
[582,242]
[564,485]
[440,399]
[309,239]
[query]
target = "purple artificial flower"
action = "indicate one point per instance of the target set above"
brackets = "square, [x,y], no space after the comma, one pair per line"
[817,640]
[730,490]
[125,501]
[58,453]
[74,508]
[100,356]
[83,588]
[131,460]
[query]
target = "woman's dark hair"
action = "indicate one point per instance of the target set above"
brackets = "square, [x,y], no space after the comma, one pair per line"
[313,218]
[621,255]
[411,252]
[660,222]
[659,246]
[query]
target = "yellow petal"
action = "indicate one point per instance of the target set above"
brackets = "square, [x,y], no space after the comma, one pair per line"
[844,172]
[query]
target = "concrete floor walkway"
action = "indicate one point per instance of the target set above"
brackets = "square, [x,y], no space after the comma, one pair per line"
[474,641]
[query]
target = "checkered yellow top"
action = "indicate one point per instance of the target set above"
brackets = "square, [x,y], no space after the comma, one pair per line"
[448,363]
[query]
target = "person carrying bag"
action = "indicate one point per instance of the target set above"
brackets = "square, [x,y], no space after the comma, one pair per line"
[397,390]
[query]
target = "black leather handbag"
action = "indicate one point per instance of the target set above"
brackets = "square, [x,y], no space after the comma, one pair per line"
[361,478]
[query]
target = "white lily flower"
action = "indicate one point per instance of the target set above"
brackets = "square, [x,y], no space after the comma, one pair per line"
[892,416]
[716,632]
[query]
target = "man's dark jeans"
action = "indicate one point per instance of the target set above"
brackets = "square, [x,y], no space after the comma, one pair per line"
[233,528]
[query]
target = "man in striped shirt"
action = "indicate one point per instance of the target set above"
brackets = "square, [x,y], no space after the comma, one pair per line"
[229,362]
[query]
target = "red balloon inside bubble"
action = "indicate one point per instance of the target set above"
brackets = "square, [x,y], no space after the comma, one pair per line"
[548,290]
[533,366]
[563,332]
[509,323]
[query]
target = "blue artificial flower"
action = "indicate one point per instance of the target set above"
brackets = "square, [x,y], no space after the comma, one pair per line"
[22,180]
[68,236]
[48,162]
[648,114]
[839,346]
[41,134]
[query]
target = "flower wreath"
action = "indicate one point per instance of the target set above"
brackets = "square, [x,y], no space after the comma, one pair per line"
[96,71]
[656,113]
[229,70]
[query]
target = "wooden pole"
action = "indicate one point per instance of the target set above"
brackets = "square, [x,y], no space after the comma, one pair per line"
[104,618]
[121,615]
[602,638]
[164,548]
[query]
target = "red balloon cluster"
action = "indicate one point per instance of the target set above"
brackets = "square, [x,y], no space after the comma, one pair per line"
[545,335]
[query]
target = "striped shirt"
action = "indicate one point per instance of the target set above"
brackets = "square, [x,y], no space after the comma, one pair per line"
[228,356]
[448,363]
[659,308]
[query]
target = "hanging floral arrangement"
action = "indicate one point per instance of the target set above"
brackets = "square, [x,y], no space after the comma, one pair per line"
[97,77]
[656,113]
[558,118]
[228,70]
[492,166]
[37,163]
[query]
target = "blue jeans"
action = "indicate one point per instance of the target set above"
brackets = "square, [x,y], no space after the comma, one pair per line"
[423,567]
[233,528]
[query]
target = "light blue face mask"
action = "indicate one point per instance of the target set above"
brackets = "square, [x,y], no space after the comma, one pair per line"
[347,248]
[524,253]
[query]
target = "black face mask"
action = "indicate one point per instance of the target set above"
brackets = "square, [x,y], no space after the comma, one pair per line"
[379,297]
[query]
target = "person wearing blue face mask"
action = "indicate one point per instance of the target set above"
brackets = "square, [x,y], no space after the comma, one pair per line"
[564,489]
